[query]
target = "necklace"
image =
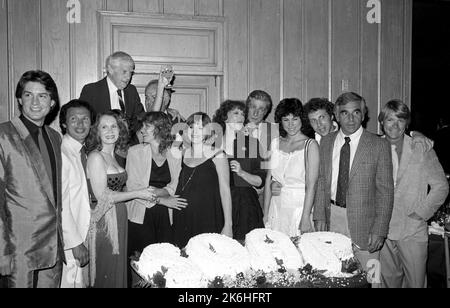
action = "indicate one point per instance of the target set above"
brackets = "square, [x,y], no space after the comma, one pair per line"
[190,178]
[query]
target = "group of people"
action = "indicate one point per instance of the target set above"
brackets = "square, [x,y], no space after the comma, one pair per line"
[73,211]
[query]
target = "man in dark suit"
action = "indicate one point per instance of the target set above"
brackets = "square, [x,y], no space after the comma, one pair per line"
[115,91]
[31,247]
[355,191]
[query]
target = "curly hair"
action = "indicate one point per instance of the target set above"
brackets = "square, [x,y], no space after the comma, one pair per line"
[163,129]
[292,106]
[221,115]
[93,142]
[316,104]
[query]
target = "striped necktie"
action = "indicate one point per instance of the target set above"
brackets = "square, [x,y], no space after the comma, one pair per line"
[83,158]
[121,103]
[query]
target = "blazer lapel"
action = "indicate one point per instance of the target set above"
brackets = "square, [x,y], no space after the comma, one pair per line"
[329,159]
[106,94]
[405,159]
[147,152]
[360,155]
[56,146]
[35,157]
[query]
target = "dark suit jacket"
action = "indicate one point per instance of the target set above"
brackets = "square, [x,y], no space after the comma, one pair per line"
[370,195]
[98,96]
[30,221]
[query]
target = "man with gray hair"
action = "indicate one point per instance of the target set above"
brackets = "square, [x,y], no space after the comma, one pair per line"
[355,189]
[114,92]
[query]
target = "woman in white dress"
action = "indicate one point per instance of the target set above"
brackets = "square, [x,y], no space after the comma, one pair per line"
[294,165]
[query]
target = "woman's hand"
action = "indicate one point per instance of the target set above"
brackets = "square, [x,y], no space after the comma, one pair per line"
[236,167]
[305,225]
[227,230]
[174,202]
[175,114]
[147,194]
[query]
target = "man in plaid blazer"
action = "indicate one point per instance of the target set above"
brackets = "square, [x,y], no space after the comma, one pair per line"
[355,199]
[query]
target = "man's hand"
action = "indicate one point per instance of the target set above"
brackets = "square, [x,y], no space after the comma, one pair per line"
[81,254]
[375,243]
[165,75]
[320,226]
[418,139]
[276,188]
[175,114]
[6,266]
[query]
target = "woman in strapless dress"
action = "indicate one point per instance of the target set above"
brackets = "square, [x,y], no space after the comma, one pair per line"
[107,239]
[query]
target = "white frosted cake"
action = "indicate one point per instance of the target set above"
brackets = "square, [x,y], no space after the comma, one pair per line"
[270,249]
[218,255]
[178,272]
[326,251]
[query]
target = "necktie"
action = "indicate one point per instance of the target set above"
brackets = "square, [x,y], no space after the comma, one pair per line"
[83,158]
[45,155]
[121,103]
[395,162]
[344,169]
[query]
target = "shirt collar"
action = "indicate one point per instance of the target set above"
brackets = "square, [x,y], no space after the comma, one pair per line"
[72,143]
[355,136]
[31,127]
[111,86]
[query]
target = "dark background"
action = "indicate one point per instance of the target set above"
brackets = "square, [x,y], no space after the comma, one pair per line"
[430,64]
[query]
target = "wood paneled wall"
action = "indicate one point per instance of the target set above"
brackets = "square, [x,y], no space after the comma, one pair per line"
[290,48]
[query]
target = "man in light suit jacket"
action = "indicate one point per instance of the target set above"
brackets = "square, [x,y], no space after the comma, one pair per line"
[420,189]
[355,190]
[115,91]
[31,249]
[75,120]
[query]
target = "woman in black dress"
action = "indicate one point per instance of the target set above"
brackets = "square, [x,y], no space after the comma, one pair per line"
[245,161]
[204,183]
[156,164]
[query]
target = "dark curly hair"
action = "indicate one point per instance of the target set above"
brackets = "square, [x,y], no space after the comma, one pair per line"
[93,142]
[221,115]
[163,129]
[291,106]
[316,104]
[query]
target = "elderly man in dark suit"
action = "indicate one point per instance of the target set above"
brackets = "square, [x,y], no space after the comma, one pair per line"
[115,91]
[355,192]
[31,247]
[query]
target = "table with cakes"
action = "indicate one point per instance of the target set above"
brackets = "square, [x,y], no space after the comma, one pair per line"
[266,259]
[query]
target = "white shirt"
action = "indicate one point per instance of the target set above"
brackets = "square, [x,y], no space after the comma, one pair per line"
[113,96]
[339,142]
[76,210]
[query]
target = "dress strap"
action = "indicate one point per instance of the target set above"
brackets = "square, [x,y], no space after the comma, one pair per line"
[218,153]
